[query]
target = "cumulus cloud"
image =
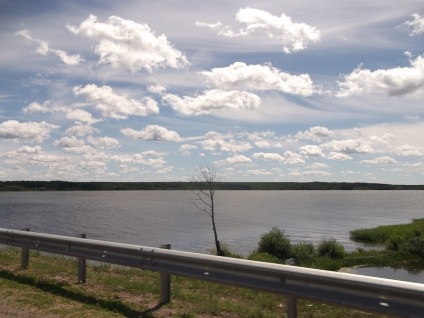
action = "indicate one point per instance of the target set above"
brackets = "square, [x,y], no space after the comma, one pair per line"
[82,116]
[298,173]
[268,156]
[223,145]
[116,106]
[29,150]
[380,160]
[289,157]
[311,151]
[349,146]
[43,49]
[148,158]
[238,159]
[409,150]
[338,156]
[415,25]
[72,144]
[81,130]
[103,142]
[151,132]
[294,36]
[185,149]
[293,158]
[397,81]
[31,131]
[259,172]
[212,100]
[128,44]
[316,133]
[241,76]
[36,107]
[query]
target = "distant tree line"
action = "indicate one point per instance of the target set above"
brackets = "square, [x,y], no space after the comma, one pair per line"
[127,186]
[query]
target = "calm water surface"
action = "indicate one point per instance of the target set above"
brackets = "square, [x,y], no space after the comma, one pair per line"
[153,218]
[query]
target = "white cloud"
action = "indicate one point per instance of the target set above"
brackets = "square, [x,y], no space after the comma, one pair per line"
[409,150]
[318,165]
[241,76]
[415,26]
[223,145]
[35,107]
[212,100]
[268,156]
[82,116]
[72,144]
[311,151]
[103,142]
[68,59]
[238,159]
[81,130]
[43,49]
[294,36]
[128,44]
[116,106]
[151,132]
[185,149]
[316,133]
[69,142]
[29,150]
[397,81]
[349,146]
[338,156]
[289,157]
[30,131]
[259,172]
[293,158]
[149,158]
[380,160]
[298,173]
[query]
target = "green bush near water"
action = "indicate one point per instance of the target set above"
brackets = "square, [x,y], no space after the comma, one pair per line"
[331,249]
[275,243]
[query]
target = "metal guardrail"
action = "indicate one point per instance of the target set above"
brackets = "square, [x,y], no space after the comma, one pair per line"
[361,292]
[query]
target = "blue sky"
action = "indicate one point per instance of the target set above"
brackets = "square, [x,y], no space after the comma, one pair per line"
[153,90]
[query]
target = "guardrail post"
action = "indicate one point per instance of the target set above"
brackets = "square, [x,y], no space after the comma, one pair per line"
[82,266]
[291,307]
[25,254]
[165,283]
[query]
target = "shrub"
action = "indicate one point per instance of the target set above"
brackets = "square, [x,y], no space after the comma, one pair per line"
[394,243]
[276,243]
[414,245]
[263,257]
[303,251]
[331,248]
[227,252]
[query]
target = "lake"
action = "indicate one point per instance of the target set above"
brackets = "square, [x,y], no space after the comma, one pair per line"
[152,218]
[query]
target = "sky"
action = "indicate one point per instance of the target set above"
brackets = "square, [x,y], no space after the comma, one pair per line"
[262,90]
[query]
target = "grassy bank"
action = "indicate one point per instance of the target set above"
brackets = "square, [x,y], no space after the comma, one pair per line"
[382,234]
[48,288]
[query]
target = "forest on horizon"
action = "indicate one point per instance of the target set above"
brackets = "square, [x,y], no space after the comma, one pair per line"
[126,186]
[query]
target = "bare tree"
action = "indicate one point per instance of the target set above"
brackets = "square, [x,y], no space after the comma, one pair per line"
[207,178]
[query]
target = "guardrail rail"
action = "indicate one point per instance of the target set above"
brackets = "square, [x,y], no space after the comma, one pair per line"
[356,291]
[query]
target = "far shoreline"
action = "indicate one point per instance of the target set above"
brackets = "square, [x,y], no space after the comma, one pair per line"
[184,185]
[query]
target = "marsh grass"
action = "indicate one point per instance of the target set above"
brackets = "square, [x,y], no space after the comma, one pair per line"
[381,234]
[48,288]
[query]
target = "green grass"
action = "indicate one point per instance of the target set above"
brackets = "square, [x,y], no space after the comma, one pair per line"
[381,234]
[49,288]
